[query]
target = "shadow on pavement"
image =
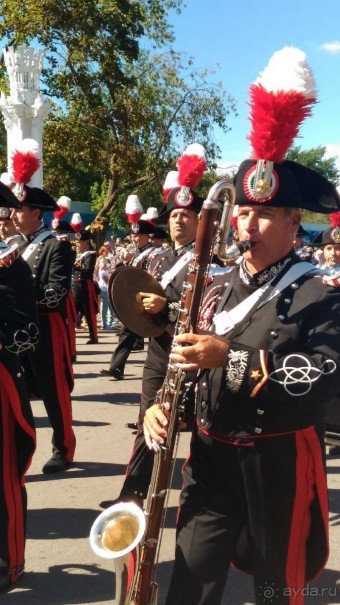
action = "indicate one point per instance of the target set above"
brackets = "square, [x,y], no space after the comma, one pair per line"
[82,470]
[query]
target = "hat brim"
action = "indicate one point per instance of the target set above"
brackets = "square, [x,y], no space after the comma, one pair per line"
[292,186]
[7,197]
[38,198]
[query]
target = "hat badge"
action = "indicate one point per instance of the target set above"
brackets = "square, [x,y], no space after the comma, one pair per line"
[336,235]
[184,197]
[261,181]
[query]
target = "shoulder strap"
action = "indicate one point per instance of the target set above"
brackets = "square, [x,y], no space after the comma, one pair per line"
[225,321]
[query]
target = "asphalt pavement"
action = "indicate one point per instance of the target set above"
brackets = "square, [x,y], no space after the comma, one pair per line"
[61,568]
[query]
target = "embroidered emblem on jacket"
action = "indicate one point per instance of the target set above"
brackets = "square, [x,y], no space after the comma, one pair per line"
[24,341]
[294,374]
[235,370]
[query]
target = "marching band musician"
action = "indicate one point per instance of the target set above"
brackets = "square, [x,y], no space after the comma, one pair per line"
[140,234]
[18,334]
[254,491]
[49,368]
[331,252]
[180,211]
[83,287]
[64,232]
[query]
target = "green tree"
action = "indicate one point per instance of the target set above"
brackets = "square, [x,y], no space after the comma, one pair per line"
[315,158]
[124,113]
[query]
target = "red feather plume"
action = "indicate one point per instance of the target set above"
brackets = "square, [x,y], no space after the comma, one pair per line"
[275,118]
[191,166]
[335,219]
[24,165]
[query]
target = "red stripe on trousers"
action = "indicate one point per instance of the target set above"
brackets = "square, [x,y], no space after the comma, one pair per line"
[61,356]
[310,482]
[12,488]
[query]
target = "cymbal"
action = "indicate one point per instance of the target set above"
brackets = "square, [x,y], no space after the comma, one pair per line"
[125,284]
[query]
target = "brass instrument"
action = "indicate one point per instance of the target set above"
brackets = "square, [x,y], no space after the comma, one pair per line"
[117,534]
[212,236]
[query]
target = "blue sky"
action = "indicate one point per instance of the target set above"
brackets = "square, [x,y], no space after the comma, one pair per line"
[240,36]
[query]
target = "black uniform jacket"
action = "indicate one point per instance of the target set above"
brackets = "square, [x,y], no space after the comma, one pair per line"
[84,266]
[19,333]
[284,358]
[159,347]
[51,266]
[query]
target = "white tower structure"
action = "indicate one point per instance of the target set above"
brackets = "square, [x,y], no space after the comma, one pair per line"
[25,109]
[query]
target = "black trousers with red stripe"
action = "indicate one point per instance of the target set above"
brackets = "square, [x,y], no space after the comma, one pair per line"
[49,374]
[17,444]
[262,507]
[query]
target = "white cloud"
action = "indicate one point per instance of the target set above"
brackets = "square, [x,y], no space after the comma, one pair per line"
[333,151]
[331,47]
[227,167]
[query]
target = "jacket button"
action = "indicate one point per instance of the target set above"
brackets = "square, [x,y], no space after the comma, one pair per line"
[259,411]
[203,405]
[258,430]
[274,334]
[281,317]
[202,421]
[288,301]
[204,385]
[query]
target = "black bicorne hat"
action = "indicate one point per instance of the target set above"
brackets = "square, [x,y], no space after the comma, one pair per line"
[180,198]
[7,197]
[160,233]
[301,232]
[142,227]
[332,235]
[38,198]
[83,236]
[61,226]
[290,185]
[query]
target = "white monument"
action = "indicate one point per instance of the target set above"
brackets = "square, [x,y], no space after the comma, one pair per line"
[25,109]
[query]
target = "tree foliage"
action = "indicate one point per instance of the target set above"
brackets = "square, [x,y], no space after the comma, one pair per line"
[315,158]
[126,103]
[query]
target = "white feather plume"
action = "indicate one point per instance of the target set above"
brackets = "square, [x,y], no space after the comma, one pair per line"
[288,70]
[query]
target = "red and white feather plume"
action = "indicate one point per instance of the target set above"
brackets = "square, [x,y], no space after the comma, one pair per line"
[64,204]
[133,209]
[151,215]
[171,181]
[280,99]
[25,162]
[191,166]
[334,219]
[76,222]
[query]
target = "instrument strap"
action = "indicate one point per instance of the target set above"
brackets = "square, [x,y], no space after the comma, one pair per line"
[86,253]
[34,244]
[140,257]
[225,321]
[175,269]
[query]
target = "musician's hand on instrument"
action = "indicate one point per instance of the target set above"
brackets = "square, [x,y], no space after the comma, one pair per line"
[154,425]
[195,351]
[152,303]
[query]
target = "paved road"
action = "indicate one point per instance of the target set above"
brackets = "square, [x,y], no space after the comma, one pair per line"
[60,566]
